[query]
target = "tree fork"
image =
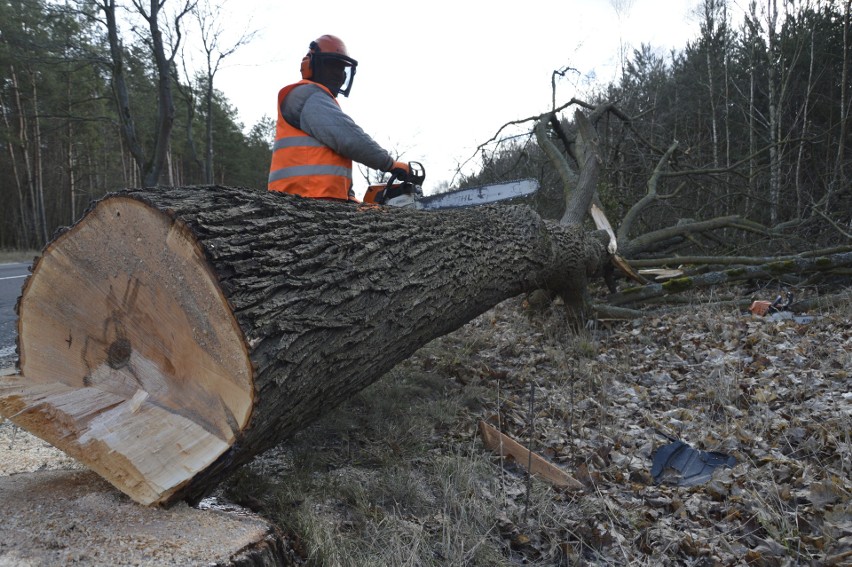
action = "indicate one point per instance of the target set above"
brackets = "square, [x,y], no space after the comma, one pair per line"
[172,334]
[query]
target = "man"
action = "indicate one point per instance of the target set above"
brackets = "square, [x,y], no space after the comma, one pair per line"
[315,141]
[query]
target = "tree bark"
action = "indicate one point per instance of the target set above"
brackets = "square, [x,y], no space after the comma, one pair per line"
[173,334]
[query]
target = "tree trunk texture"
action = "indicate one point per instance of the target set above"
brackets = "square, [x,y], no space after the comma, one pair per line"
[173,334]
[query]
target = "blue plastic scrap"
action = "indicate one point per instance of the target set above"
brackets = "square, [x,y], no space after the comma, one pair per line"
[695,466]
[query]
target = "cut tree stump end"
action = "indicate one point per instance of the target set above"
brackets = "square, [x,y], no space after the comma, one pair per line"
[132,360]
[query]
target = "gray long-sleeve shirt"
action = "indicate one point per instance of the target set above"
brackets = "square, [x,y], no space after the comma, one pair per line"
[310,109]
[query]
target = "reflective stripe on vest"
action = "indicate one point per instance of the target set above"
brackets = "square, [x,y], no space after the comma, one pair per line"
[305,141]
[300,170]
[303,165]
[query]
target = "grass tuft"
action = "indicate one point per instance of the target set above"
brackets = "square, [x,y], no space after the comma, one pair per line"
[10,256]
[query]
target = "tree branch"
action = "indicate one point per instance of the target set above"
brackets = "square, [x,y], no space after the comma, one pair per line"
[649,197]
[648,241]
[733,260]
[770,270]
[566,175]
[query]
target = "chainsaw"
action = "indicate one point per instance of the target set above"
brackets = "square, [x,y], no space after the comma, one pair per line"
[407,191]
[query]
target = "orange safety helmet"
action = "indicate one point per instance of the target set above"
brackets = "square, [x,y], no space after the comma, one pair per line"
[329,48]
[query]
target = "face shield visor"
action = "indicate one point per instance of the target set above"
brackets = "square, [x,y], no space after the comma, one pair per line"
[337,72]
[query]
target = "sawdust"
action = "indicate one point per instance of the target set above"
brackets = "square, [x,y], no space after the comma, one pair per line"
[60,517]
[57,512]
[21,452]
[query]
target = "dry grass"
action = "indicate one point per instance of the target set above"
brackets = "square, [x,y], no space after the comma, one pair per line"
[9,256]
[398,476]
[366,487]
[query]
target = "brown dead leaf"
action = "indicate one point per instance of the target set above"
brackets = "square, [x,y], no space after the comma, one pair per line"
[824,493]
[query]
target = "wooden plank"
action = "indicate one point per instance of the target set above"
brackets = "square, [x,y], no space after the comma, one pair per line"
[505,446]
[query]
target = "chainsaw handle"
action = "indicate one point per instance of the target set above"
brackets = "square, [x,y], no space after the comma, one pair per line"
[416,174]
[380,195]
[411,183]
[397,175]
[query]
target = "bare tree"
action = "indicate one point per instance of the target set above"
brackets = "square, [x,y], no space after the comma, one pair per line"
[31,154]
[13,161]
[774,102]
[216,50]
[806,104]
[710,28]
[622,11]
[838,177]
[150,167]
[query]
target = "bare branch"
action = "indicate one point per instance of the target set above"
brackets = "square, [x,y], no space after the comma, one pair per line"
[496,136]
[568,177]
[734,260]
[833,224]
[649,197]
[650,240]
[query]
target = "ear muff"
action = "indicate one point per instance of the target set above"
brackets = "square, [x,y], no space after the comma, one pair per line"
[308,67]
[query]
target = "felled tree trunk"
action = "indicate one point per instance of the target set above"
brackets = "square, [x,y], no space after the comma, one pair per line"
[173,334]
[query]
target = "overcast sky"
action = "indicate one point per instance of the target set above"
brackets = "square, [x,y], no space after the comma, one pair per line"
[437,78]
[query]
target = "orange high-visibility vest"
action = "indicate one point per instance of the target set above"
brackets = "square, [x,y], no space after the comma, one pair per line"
[304,166]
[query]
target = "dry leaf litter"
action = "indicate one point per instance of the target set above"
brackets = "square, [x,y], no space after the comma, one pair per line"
[775,394]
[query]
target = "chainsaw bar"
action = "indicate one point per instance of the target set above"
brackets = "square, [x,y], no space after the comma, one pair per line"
[474,196]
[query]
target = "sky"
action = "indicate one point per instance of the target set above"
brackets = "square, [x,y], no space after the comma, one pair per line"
[438,78]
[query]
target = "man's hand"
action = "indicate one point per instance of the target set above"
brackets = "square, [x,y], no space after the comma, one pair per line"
[400,170]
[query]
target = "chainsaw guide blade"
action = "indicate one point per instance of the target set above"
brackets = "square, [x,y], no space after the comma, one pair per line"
[484,195]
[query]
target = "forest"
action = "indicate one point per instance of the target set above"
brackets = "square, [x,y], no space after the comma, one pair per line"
[749,119]
[64,140]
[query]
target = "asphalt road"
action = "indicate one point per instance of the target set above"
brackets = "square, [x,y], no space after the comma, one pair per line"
[12,278]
